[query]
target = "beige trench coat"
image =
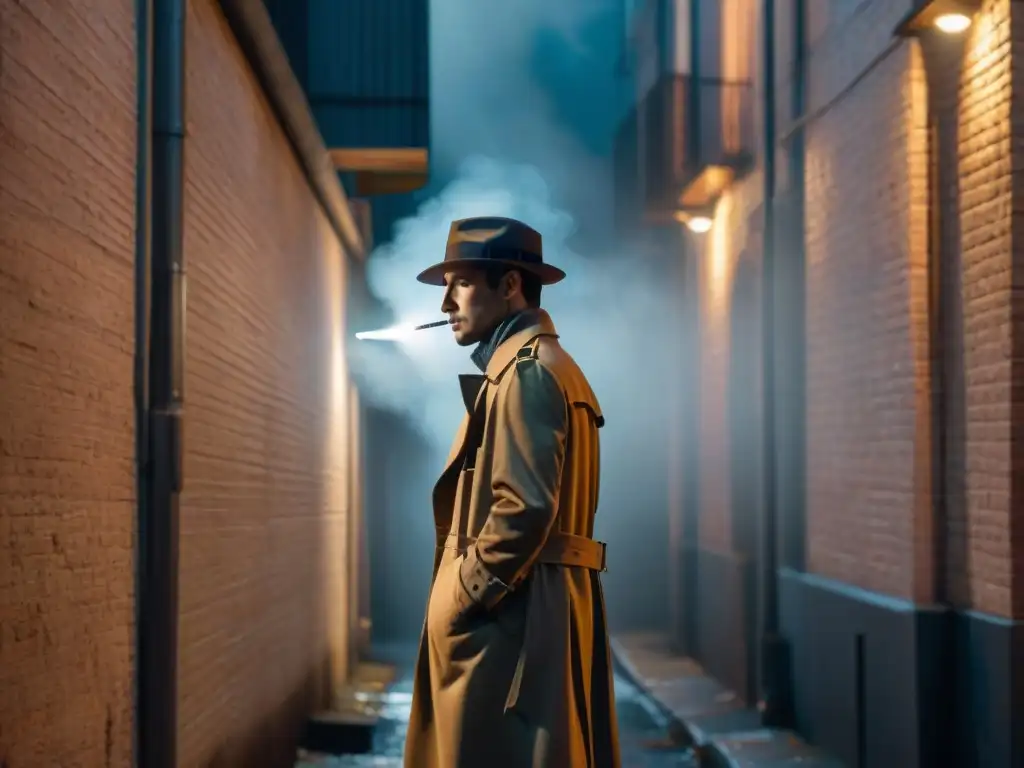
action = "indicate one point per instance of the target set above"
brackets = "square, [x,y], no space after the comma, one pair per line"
[514,666]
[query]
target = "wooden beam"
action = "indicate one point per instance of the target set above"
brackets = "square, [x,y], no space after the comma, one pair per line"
[408,160]
[370,184]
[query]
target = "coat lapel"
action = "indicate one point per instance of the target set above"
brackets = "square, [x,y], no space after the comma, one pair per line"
[472,386]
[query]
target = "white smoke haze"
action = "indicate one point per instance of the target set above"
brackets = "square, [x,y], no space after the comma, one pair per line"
[520,130]
[609,311]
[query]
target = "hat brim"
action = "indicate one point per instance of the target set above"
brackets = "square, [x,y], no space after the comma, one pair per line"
[434,275]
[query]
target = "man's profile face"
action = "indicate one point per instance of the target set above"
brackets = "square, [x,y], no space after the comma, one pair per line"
[475,307]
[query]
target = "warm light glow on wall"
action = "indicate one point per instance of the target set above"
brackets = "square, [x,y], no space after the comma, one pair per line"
[356,557]
[983,33]
[736,43]
[681,47]
[718,256]
[336,575]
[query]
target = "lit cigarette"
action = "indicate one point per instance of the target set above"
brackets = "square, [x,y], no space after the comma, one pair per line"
[435,324]
[398,332]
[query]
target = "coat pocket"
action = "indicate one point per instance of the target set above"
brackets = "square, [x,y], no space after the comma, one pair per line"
[446,605]
[542,655]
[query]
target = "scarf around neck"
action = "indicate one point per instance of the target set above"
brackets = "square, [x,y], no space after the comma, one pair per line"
[511,325]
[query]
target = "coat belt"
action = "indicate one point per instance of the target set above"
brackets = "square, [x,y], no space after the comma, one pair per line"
[565,549]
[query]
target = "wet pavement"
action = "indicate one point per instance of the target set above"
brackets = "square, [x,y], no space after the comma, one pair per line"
[643,730]
[724,729]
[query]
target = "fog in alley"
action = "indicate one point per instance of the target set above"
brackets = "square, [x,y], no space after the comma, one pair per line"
[526,100]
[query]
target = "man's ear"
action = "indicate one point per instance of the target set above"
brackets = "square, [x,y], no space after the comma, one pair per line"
[512,282]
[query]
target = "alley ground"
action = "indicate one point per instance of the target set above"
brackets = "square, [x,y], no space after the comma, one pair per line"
[664,701]
[643,731]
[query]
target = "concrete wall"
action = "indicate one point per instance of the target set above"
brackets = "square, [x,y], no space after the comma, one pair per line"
[67,485]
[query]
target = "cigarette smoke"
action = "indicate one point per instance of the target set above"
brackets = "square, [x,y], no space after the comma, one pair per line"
[526,98]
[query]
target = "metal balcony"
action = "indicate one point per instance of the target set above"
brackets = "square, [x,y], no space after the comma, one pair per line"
[683,144]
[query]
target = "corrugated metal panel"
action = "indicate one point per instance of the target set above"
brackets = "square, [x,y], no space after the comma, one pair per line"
[372,125]
[289,17]
[368,71]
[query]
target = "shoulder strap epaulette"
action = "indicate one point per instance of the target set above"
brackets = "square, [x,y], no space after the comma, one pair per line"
[529,351]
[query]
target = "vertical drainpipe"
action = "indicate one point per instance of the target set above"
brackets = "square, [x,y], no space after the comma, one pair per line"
[161,468]
[693,95]
[144,79]
[942,58]
[775,703]
[691,498]
[794,535]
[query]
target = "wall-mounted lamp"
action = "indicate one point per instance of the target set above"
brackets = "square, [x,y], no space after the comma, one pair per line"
[950,17]
[952,23]
[698,222]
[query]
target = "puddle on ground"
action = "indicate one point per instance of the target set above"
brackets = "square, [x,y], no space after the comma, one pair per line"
[643,732]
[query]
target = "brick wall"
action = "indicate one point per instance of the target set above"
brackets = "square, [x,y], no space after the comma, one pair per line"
[868,435]
[67,206]
[869,440]
[869,488]
[263,594]
[980,544]
[1015,30]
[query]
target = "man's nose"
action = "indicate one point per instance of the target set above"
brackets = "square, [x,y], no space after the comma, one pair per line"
[448,304]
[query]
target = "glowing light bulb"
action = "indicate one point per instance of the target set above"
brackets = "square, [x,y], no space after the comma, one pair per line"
[952,23]
[699,224]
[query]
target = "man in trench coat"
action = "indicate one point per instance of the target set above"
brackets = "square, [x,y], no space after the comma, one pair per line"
[514,666]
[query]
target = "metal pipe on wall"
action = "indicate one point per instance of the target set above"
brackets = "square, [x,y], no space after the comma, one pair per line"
[792,480]
[775,701]
[161,462]
[143,68]
[942,59]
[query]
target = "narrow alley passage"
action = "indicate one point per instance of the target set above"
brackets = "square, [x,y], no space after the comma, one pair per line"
[643,730]
[793,258]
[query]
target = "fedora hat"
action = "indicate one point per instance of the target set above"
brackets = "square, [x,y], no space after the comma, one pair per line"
[486,240]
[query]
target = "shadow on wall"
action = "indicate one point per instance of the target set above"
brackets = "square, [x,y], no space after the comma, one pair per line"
[275,739]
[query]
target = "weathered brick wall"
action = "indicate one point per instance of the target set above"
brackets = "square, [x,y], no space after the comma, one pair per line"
[67,205]
[981,547]
[263,594]
[869,441]
[1016,33]
[868,481]
[868,435]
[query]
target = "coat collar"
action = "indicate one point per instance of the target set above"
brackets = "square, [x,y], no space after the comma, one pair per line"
[472,384]
[506,351]
[511,324]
